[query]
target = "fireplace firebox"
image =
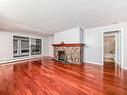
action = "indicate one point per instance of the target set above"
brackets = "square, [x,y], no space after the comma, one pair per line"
[61,56]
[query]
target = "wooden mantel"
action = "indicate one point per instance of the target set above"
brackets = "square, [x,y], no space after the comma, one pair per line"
[68,45]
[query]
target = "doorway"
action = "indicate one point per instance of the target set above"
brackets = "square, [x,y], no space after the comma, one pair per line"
[112,48]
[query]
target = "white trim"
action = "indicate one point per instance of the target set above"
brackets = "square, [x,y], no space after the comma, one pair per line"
[124,68]
[93,62]
[121,32]
[103,48]
[21,59]
[122,48]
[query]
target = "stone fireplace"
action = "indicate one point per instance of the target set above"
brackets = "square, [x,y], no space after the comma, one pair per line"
[70,53]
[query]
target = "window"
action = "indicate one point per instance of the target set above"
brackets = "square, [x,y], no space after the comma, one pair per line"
[35,46]
[24,46]
[15,46]
[20,46]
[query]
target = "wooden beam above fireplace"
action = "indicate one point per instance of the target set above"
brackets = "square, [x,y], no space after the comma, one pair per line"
[68,45]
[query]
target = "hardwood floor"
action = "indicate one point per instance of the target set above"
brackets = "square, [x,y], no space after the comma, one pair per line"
[49,77]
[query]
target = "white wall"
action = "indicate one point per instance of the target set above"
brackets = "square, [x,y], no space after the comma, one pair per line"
[124,46]
[94,47]
[45,46]
[6,45]
[51,41]
[69,36]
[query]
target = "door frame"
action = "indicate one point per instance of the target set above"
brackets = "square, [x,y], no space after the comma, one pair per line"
[121,45]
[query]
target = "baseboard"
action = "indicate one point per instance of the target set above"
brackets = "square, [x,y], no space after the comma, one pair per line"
[124,68]
[20,59]
[93,62]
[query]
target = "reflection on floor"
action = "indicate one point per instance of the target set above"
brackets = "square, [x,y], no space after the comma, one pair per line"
[49,77]
[109,60]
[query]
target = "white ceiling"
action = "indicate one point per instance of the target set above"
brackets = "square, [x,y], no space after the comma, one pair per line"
[50,16]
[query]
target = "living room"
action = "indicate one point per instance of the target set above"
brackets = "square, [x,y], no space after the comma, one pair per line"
[75,47]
